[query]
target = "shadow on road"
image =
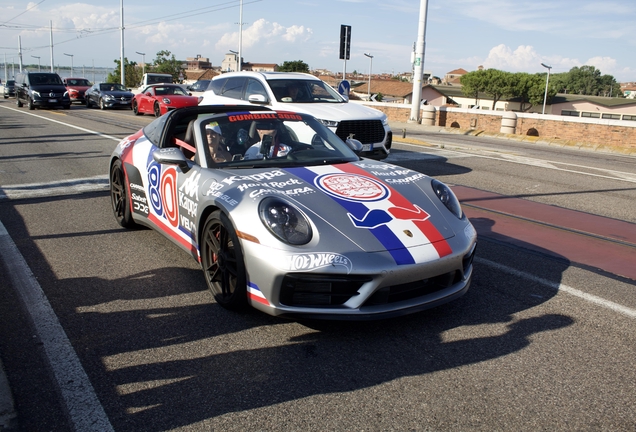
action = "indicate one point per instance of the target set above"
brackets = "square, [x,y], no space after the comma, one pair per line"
[161,354]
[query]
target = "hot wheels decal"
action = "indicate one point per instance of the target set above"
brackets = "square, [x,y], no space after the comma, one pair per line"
[313,261]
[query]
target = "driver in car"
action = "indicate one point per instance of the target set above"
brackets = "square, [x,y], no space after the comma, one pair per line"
[269,143]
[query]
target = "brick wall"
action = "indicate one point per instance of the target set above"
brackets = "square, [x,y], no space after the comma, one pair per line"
[619,134]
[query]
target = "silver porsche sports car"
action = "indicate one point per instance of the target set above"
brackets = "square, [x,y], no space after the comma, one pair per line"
[286,217]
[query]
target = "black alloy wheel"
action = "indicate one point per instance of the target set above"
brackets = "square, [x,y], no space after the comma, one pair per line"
[119,196]
[223,264]
[135,108]
[157,110]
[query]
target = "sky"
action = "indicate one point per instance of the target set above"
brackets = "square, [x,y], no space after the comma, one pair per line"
[509,35]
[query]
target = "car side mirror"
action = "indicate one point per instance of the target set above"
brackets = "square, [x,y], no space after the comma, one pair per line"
[171,156]
[189,94]
[257,99]
[148,94]
[354,145]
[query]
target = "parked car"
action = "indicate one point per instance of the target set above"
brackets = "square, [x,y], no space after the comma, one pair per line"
[108,96]
[312,96]
[8,88]
[41,89]
[76,88]
[311,231]
[198,88]
[158,99]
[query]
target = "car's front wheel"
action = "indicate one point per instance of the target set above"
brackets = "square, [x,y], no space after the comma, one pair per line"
[135,108]
[102,105]
[88,102]
[119,196]
[157,110]
[30,104]
[18,102]
[222,261]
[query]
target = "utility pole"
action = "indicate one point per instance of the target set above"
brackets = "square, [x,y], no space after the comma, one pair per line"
[123,70]
[418,75]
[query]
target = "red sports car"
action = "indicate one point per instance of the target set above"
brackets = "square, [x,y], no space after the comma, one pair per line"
[158,99]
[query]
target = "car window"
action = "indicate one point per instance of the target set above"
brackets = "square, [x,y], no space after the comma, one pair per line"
[154,129]
[255,87]
[217,85]
[306,91]
[268,139]
[233,88]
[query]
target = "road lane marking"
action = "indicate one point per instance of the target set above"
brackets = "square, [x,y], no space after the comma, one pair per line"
[541,163]
[78,395]
[65,124]
[561,287]
[58,188]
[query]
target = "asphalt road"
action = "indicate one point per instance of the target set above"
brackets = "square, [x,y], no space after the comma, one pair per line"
[541,341]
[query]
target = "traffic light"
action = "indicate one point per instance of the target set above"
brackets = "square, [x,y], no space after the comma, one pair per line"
[345,42]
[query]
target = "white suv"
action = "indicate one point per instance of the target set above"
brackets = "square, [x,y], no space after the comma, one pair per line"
[304,93]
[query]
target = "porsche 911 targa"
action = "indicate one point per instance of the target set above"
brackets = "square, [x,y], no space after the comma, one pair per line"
[284,216]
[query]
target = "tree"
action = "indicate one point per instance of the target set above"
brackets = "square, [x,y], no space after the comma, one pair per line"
[168,64]
[473,83]
[530,88]
[131,72]
[498,84]
[294,66]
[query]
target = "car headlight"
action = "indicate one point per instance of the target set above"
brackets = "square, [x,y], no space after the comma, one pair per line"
[329,123]
[109,97]
[36,93]
[166,100]
[285,221]
[447,197]
[385,121]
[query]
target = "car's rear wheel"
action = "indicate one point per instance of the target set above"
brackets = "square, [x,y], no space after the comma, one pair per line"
[102,105]
[157,110]
[135,108]
[119,196]
[222,261]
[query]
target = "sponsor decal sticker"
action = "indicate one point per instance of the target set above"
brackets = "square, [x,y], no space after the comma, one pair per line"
[313,261]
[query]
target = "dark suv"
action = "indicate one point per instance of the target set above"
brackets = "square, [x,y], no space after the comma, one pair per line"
[41,89]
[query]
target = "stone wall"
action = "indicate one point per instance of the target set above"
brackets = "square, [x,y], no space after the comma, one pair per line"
[616,134]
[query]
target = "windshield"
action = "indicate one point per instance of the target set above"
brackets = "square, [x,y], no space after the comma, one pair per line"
[264,139]
[112,87]
[169,90]
[44,78]
[78,82]
[303,91]
[157,79]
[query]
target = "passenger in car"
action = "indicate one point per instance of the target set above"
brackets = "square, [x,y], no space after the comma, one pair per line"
[216,143]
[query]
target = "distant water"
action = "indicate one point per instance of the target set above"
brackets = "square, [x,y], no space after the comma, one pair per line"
[97,75]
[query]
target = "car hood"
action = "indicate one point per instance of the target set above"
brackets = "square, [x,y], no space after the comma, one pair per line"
[79,88]
[49,88]
[333,111]
[117,93]
[371,206]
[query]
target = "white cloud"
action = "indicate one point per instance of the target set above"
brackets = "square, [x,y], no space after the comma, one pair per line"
[263,32]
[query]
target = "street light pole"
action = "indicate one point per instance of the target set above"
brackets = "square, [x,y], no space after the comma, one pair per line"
[143,62]
[37,57]
[71,56]
[370,69]
[547,80]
